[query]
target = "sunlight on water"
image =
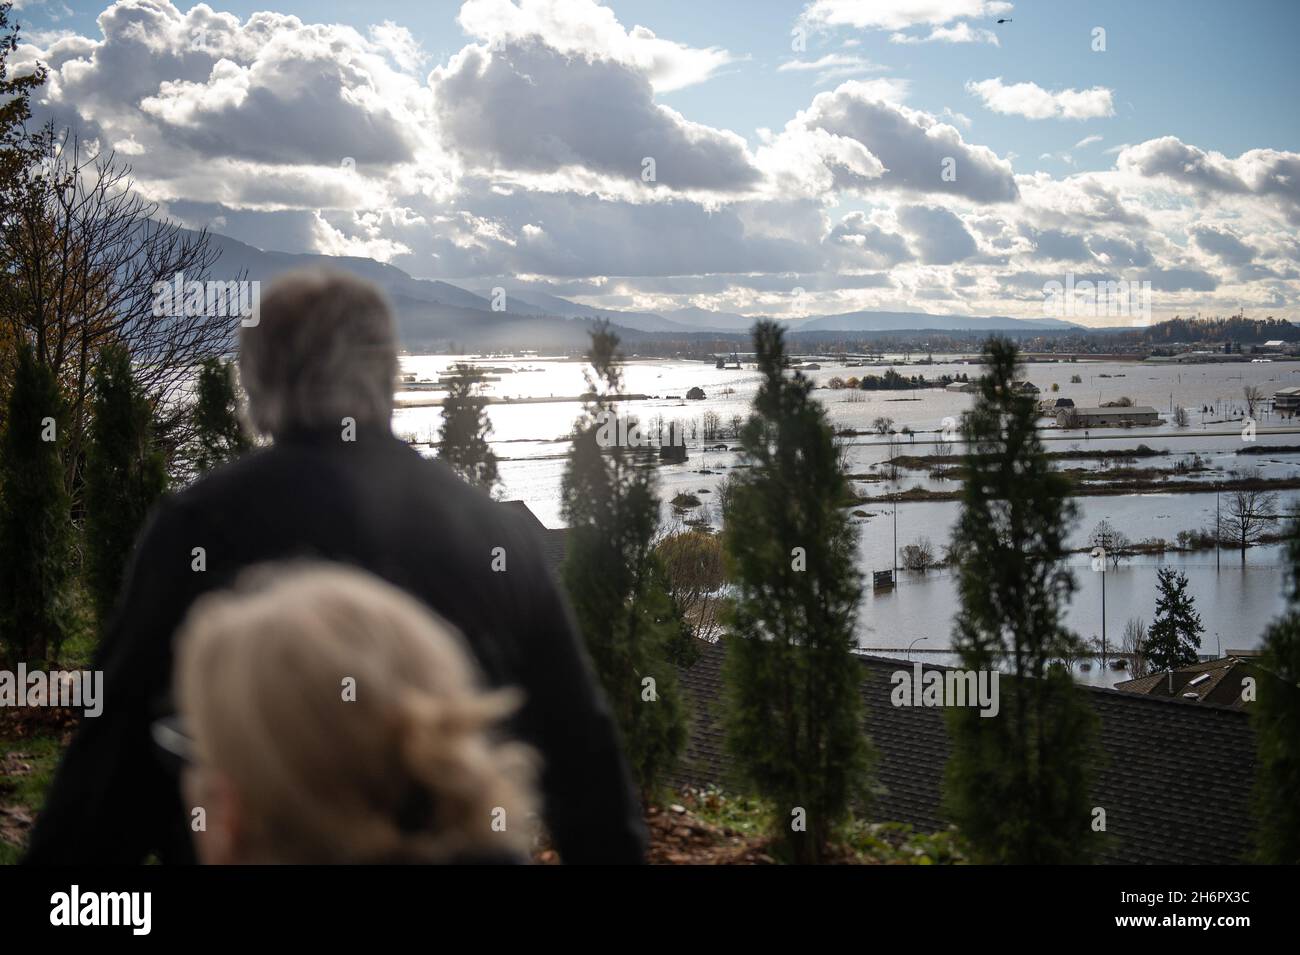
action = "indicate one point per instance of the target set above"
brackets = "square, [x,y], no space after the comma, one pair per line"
[1236,601]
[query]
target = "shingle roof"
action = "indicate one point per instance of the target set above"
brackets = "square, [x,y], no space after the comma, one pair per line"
[552,539]
[1118,409]
[1223,682]
[1175,779]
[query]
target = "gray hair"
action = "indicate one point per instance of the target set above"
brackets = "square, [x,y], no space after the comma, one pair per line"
[323,349]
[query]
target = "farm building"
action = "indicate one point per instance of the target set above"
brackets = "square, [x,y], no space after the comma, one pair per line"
[1136,416]
[1287,400]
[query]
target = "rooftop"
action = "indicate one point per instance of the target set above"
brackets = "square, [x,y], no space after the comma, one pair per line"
[1131,409]
[1208,681]
[1174,777]
[552,539]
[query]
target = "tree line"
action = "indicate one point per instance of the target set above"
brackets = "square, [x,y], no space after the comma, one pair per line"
[104,403]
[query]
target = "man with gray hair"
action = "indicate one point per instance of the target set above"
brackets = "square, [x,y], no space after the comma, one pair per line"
[319,365]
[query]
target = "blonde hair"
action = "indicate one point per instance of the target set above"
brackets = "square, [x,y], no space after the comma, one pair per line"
[405,771]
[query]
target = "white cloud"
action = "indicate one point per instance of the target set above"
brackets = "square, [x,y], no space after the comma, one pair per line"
[938,235]
[914,147]
[1261,173]
[1033,102]
[959,33]
[533,109]
[899,14]
[869,242]
[521,154]
[585,28]
[399,43]
[831,66]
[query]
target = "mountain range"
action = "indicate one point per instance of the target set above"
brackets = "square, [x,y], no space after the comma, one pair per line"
[432,314]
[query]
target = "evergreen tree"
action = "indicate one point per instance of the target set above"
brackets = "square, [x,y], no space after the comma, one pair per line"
[465,429]
[615,580]
[35,523]
[794,715]
[1175,634]
[125,474]
[219,434]
[1276,715]
[1018,782]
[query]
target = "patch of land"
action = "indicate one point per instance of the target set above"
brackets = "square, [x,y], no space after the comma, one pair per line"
[1101,488]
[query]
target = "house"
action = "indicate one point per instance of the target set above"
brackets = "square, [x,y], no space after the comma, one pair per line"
[552,539]
[1135,416]
[1174,776]
[1287,400]
[1223,681]
[1050,407]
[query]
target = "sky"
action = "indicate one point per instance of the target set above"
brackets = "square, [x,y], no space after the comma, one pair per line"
[751,156]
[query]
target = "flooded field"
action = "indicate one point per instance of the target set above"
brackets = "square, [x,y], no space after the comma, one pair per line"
[1235,599]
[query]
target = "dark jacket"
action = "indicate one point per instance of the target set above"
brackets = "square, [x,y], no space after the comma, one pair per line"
[376,504]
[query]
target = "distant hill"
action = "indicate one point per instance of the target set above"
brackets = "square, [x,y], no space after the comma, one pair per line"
[433,314]
[703,319]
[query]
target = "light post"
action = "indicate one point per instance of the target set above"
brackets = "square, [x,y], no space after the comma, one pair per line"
[912,644]
[1217,528]
[1103,542]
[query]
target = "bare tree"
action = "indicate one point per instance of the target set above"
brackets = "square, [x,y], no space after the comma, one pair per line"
[83,253]
[1113,541]
[918,555]
[1253,397]
[843,450]
[1181,419]
[710,425]
[943,449]
[1131,640]
[891,462]
[882,425]
[1246,514]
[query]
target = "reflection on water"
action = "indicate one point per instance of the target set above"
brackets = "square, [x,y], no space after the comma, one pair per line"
[1235,602]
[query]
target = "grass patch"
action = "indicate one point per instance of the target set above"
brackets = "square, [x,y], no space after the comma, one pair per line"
[27,768]
[858,842]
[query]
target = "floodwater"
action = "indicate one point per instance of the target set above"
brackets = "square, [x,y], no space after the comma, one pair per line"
[1236,600]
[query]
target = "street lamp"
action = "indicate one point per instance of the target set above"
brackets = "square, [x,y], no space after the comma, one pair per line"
[912,644]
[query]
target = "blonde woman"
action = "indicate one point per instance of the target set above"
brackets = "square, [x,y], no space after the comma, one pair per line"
[327,717]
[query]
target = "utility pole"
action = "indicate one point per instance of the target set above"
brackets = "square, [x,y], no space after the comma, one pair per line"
[1217,526]
[895,538]
[1104,541]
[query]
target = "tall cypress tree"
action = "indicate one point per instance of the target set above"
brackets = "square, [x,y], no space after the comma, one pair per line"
[125,474]
[1017,782]
[219,434]
[465,429]
[1276,716]
[794,715]
[35,520]
[1175,633]
[615,579]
